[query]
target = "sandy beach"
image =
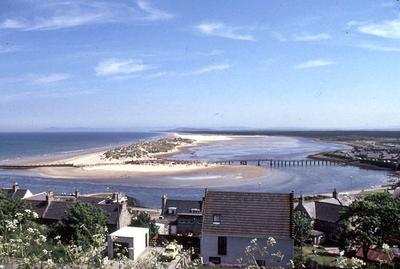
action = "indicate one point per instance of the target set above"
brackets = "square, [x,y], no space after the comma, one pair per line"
[94,166]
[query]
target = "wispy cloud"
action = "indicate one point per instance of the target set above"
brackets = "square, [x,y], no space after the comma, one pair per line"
[311,37]
[67,14]
[50,78]
[120,67]
[158,74]
[153,14]
[225,31]
[211,68]
[378,47]
[7,49]
[314,64]
[386,29]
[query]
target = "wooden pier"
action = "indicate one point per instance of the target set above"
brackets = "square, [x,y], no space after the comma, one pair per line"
[283,163]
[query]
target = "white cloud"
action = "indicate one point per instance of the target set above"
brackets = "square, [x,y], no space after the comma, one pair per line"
[311,37]
[379,47]
[386,29]
[157,75]
[43,15]
[50,78]
[154,14]
[211,68]
[221,30]
[120,67]
[6,49]
[314,64]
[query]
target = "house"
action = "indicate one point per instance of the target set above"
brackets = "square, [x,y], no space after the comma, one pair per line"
[232,219]
[183,217]
[51,207]
[16,192]
[134,239]
[325,215]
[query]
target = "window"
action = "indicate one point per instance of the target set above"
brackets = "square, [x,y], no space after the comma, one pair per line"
[260,262]
[215,260]
[217,219]
[171,210]
[194,210]
[222,245]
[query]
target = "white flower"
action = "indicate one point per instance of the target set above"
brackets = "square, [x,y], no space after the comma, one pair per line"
[35,215]
[271,241]
[385,247]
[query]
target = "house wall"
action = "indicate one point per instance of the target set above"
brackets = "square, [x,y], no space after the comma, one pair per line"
[139,243]
[186,224]
[236,249]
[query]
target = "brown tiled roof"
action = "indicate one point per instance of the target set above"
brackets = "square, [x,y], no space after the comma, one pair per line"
[248,214]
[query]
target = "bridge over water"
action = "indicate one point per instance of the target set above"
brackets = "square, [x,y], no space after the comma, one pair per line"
[284,163]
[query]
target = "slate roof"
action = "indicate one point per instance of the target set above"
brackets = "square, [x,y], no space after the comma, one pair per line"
[183,206]
[328,212]
[247,214]
[9,193]
[56,209]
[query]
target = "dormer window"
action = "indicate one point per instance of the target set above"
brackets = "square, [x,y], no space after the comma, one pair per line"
[171,210]
[217,219]
[194,210]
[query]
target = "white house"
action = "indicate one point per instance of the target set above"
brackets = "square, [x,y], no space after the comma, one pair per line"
[136,239]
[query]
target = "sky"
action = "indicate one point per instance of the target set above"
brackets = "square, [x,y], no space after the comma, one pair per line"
[205,64]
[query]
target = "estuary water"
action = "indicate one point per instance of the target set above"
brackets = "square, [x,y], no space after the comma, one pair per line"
[306,180]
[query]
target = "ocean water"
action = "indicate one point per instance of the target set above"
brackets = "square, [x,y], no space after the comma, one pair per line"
[306,180]
[23,146]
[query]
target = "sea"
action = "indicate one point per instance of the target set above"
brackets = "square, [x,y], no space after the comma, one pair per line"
[17,147]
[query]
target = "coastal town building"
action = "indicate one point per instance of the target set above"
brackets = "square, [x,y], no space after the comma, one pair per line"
[51,207]
[183,217]
[325,215]
[16,192]
[134,239]
[231,220]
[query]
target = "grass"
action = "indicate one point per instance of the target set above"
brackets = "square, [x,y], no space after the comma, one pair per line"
[319,256]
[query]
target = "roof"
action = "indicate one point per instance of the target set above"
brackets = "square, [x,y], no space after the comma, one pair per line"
[18,194]
[130,231]
[328,212]
[183,206]
[375,255]
[306,207]
[55,210]
[246,214]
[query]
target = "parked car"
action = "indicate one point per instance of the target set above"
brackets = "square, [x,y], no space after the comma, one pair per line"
[170,252]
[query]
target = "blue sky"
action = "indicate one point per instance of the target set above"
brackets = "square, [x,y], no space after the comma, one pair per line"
[255,63]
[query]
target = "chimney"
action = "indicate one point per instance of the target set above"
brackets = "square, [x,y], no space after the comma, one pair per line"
[335,193]
[49,197]
[76,193]
[15,187]
[301,199]
[163,203]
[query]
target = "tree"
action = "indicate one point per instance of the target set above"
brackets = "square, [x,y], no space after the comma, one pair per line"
[372,221]
[302,227]
[143,219]
[80,223]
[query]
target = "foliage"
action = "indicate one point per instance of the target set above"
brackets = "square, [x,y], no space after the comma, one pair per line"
[80,223]
[302,227]
[372,221]
[143,219]
[11,209]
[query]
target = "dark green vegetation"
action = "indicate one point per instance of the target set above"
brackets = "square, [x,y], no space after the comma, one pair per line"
[372,221]
[80,223]
[302,227]
[143,219]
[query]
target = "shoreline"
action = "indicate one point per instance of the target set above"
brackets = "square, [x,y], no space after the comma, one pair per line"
[94,165]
